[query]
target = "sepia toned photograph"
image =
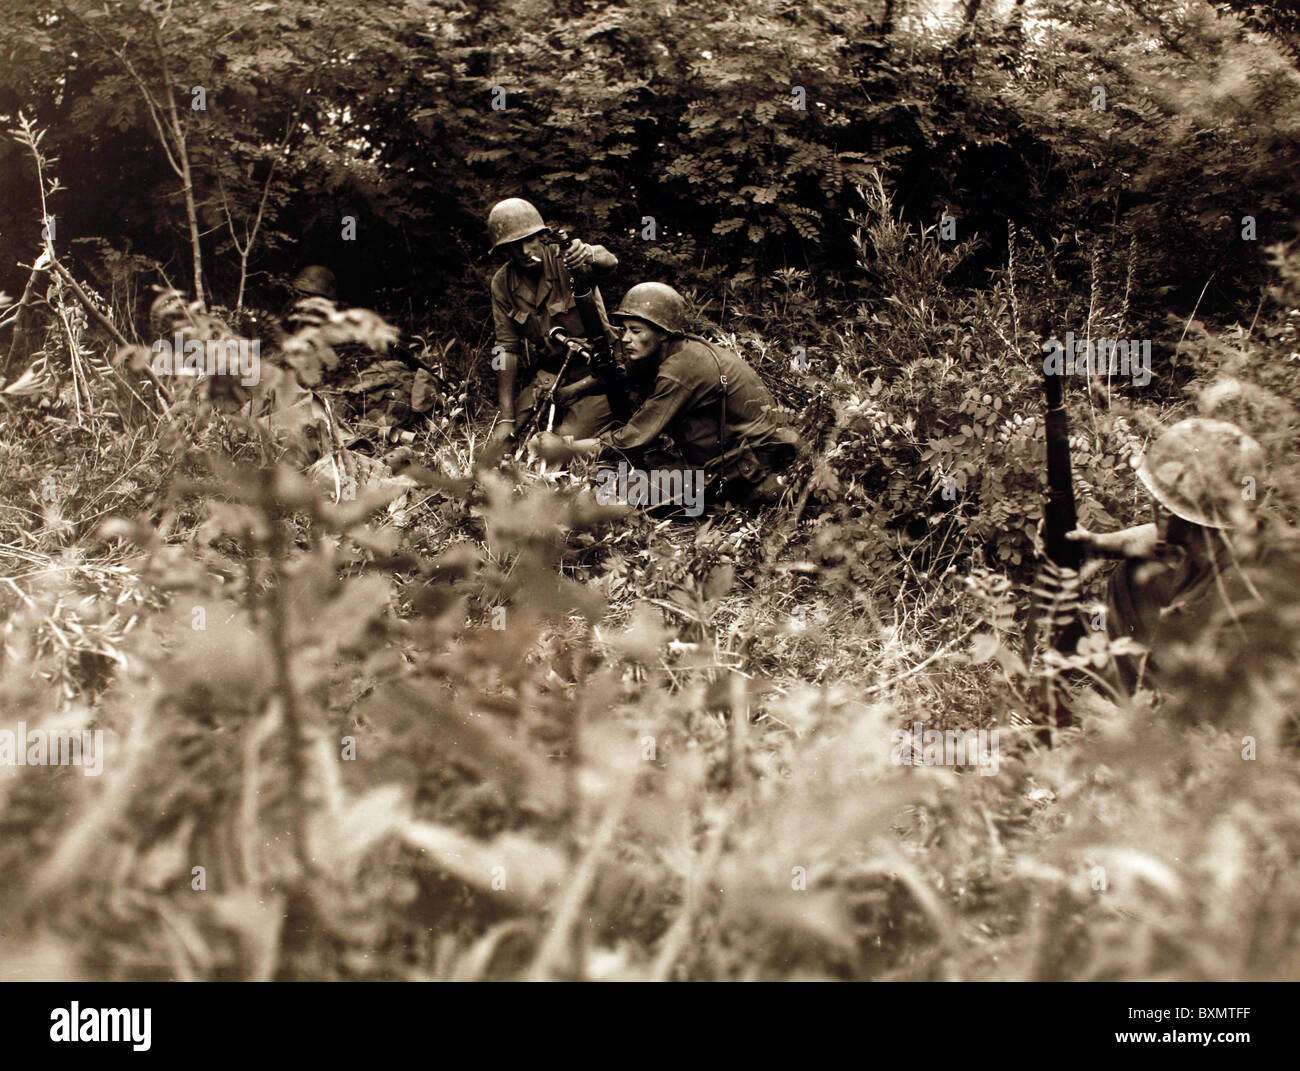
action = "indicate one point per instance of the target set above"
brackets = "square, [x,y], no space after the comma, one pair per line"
[594,491]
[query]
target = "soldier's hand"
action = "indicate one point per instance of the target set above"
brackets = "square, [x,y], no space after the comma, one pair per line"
[398,459]
[587,447]
[1082,535]
[551,448]
[502,431]
[1136,542]
[566,396]
[579,256]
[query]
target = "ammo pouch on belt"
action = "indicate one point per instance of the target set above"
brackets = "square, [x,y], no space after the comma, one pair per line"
[528,395]
[544,377]
[754,464]
[742,464]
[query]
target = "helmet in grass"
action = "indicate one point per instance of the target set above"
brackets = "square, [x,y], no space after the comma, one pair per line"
[168,312]
[1203,471]
[318,281]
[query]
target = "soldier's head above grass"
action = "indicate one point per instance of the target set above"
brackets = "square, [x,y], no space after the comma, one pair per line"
[649,315]
[316,280]
[1204,477]
[1204,472]
[518,231]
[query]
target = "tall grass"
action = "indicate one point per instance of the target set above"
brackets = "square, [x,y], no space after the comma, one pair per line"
[473,725]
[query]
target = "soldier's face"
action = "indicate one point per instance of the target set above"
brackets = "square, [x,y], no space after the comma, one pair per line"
[641,340]
[526,254]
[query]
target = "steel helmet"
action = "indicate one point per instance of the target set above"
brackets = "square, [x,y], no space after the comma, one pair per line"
[318,280]
[655,303]
[513,219]
[1203,470]
[168,311]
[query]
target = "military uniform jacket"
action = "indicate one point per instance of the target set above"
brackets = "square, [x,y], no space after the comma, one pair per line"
[526,307]
[687,402]
[1169,600]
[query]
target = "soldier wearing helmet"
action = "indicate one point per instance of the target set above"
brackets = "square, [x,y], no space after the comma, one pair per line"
[168,313]
[1203,475]
[531,294]
[315,290]
[704,396]
[317,279]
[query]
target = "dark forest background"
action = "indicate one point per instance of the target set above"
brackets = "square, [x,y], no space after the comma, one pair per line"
[680,112]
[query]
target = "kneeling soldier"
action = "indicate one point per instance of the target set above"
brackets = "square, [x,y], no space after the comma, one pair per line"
[532,294]
[1182,571]
[704,396]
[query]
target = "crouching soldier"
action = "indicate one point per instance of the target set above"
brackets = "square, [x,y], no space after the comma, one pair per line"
[1184,571]
[533,293]
[705,397]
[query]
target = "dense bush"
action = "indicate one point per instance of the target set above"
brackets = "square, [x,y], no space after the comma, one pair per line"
[613,114]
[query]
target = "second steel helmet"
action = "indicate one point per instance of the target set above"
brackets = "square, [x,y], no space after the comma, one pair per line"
[318,280]
[1203,470]
[655,303]
[168,312]
[513,219]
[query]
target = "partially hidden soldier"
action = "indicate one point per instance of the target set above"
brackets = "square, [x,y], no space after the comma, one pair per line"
[704,396]
[533,294]
[1188,569]
[173,319]
[315,291]
[378,395]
